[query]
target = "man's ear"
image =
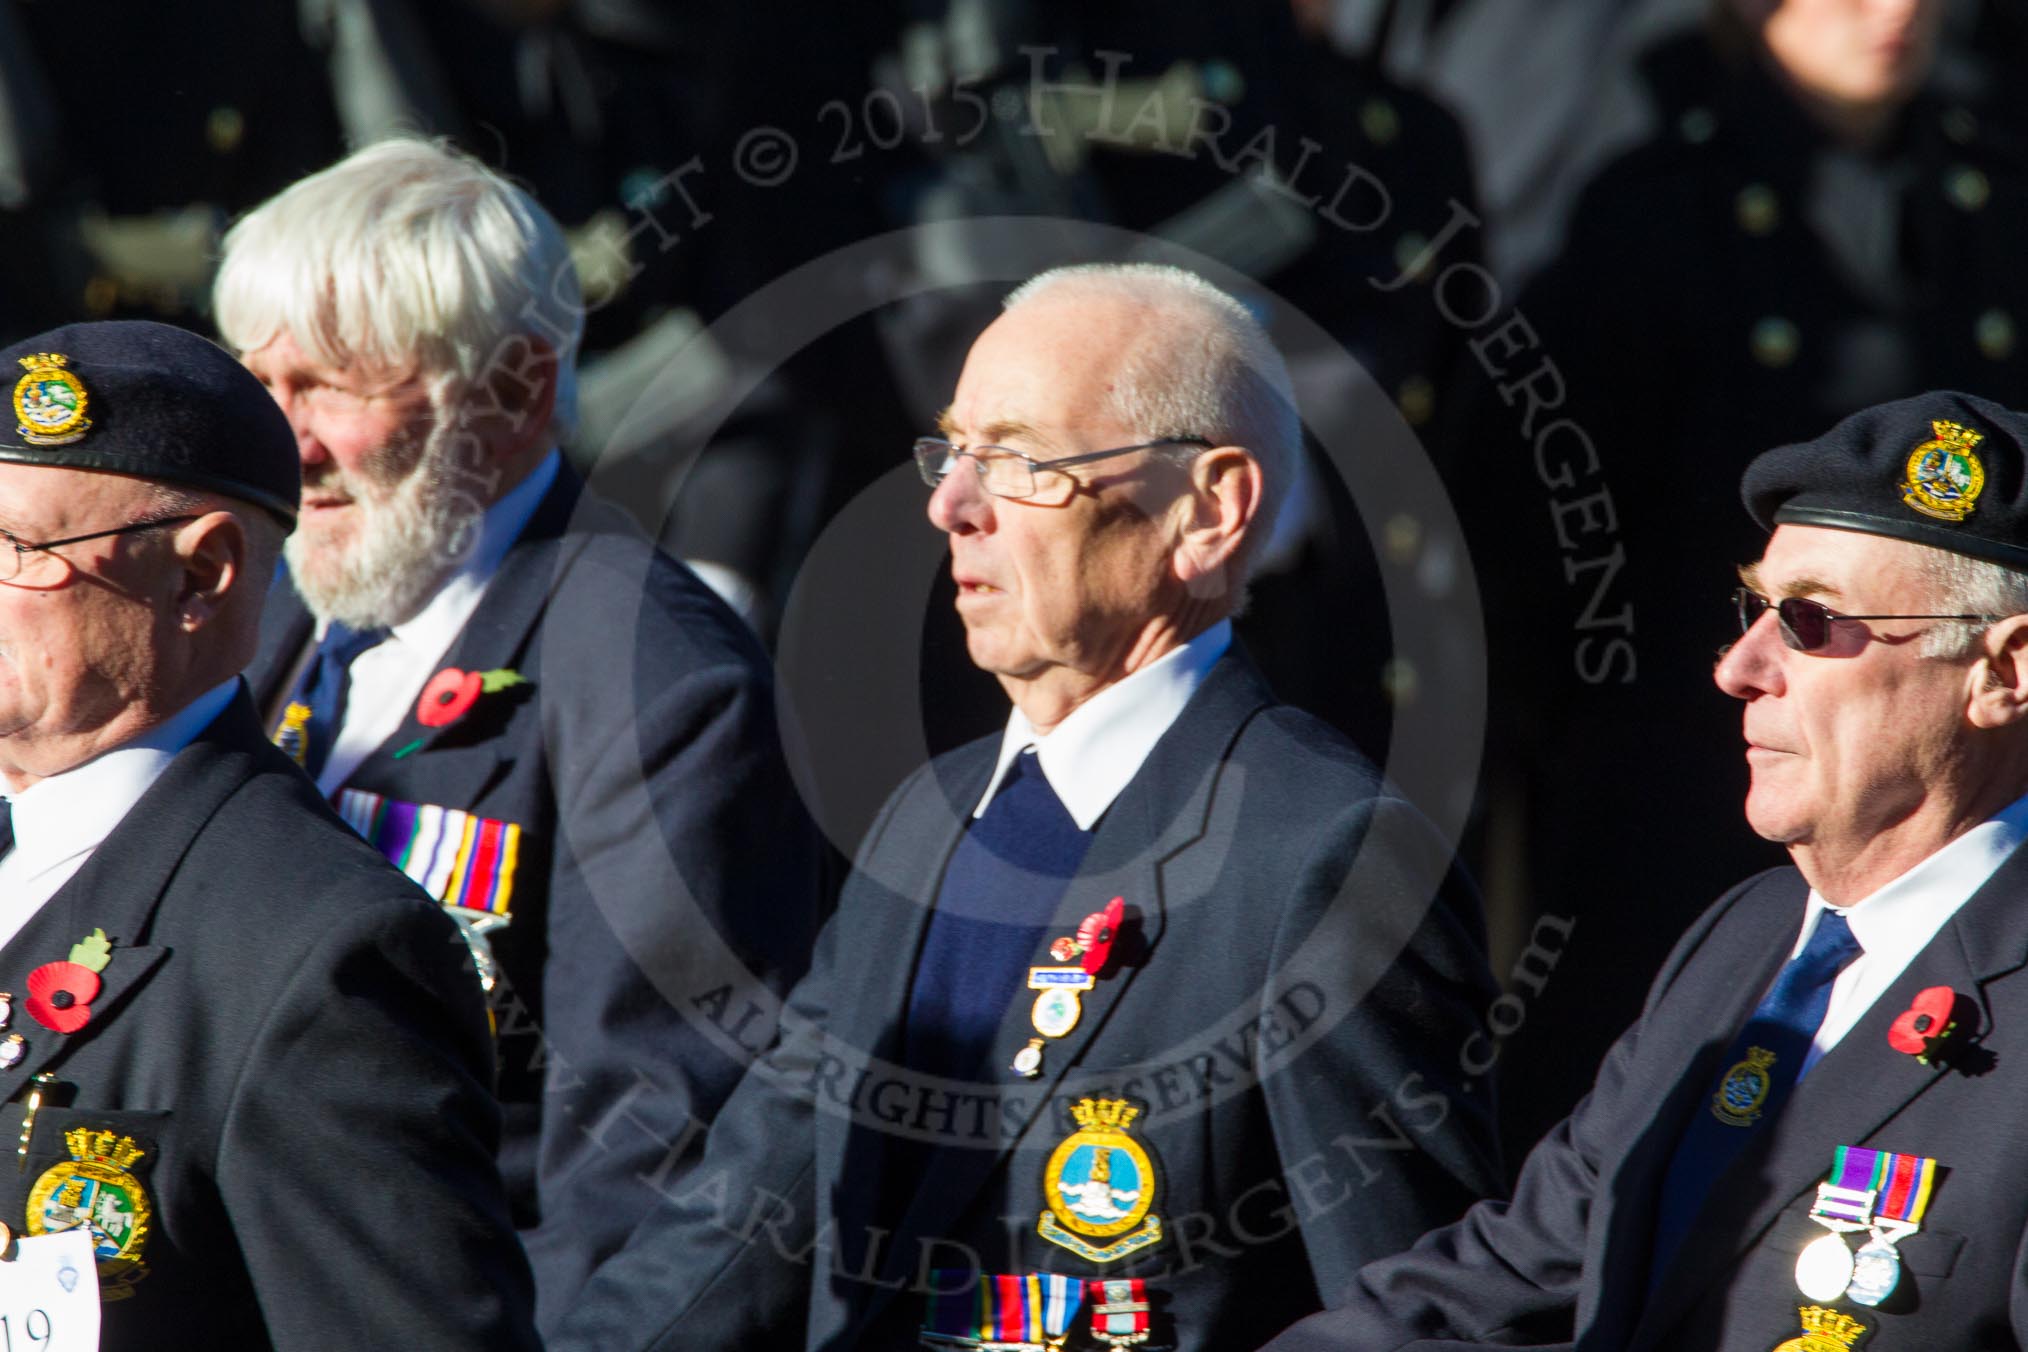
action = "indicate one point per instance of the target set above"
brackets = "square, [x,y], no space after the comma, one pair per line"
[212,552]
[1999,679]
[1224,499]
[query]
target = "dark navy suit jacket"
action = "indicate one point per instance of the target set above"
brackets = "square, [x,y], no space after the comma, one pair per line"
[666,867]
[296,1041]
[1565,1264]
[1286,1004]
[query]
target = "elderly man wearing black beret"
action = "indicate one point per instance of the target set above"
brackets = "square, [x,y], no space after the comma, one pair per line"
[1813,1137]
[237,1048]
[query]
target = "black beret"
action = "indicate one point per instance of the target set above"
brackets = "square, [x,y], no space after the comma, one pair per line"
[153,401]
[1943,469]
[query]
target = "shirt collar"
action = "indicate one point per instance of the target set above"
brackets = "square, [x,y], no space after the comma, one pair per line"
[1906,913]
[443,617]
[70,813]
[1091,756]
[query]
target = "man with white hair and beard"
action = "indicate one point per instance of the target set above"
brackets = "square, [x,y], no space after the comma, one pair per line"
[556,730]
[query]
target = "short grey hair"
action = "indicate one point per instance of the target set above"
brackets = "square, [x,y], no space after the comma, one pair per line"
[1963,585]
[1219,376]
[405,252]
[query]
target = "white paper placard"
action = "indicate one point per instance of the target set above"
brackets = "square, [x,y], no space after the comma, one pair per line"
[49,1295]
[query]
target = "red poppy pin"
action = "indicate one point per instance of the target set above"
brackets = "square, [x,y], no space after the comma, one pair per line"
[1923,1029]
[1094,941]
[451,693]
[1096,932]
[60,994]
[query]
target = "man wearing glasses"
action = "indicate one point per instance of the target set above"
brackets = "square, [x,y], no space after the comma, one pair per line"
[1810,1134]
[237,1047]
[1138,1023]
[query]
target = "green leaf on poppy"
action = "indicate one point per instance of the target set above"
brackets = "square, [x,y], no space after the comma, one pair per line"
[93,951]
[499,679]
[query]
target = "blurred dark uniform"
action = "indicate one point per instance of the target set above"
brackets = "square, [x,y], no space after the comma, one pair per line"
[1740,282]
[129,136]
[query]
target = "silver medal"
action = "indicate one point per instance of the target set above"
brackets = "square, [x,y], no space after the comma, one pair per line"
[1825,1268]
[1875,1271]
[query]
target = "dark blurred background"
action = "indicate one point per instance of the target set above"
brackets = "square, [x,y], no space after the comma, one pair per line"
[1591,256]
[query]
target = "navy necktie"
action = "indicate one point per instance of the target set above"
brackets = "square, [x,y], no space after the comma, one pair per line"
[324,688]
[999,894]
[6,825]
[1760,1069]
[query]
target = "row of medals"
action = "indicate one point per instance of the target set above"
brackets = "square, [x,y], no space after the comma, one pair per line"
[1829,1270]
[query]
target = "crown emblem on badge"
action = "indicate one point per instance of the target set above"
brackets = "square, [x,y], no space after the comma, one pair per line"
[50,401]
[1104,1114]
[1944,477]
[1842,1328]
[102,1147]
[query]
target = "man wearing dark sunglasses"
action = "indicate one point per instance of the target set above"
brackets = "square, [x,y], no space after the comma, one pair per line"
[1808,1140]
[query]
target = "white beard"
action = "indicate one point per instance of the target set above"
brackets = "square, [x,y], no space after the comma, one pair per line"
[408,541]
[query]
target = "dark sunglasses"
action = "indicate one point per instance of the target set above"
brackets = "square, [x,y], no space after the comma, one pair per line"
[1806,624]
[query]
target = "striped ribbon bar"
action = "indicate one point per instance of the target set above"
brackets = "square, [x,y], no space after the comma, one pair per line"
[1000,1310]
[462,860]
[1901,1184]
[1119,1311]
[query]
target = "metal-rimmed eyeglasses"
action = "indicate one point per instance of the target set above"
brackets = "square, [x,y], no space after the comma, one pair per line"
[1010,474]
[11,559]
[1806,624]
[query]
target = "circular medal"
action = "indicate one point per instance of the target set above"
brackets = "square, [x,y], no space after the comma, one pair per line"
[1825,1268]
[11,1051]
[1875,1271]
[1028,1061]
[1056,1011]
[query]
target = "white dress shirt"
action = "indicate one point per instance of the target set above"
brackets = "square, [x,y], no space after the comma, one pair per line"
[1092,754]
[1894,923]
[388,678]
[60,820]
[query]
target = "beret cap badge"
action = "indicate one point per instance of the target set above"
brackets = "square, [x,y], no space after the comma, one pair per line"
[50,401]
[1944,477]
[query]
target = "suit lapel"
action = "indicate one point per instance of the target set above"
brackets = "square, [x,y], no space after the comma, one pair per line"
[1159,814]
[496,637]
[120,886]
[1858,1087]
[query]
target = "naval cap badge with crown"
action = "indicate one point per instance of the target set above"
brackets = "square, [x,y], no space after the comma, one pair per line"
[50,401]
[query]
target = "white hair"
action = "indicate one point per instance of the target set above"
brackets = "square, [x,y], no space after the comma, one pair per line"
[406,252]
[1217,376]
[1963,585]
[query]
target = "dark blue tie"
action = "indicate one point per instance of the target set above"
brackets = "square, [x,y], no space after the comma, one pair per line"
[324,688]
[1759,1070]
[999,894]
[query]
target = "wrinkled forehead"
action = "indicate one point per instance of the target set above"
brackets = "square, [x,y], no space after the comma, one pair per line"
[1047,368]
[50,499]
[1825,562]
